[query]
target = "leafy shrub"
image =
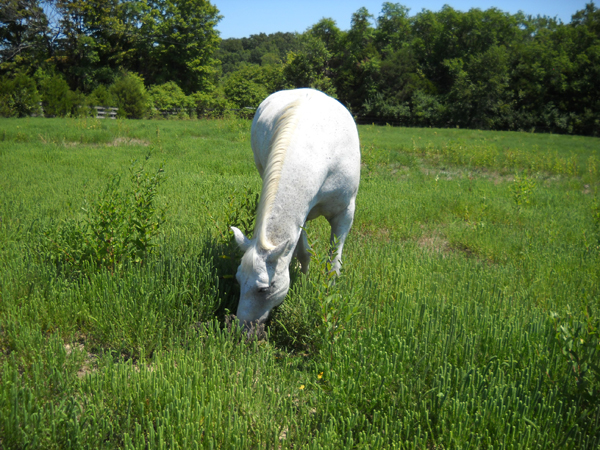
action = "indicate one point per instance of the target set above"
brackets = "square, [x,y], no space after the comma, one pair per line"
[7,104]
[580,345]
[57,98]
[335,311]
[427,110]
[19,96]
[239,211]
[250,85]
[521,190]
[210,104]
[131,96]
[244,92]
[317,313]
[80,106]
[119,227]
[101,96]
[382,109]
[309,66]
[168,96]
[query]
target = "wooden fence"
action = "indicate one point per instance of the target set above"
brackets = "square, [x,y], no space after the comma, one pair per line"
[103,112]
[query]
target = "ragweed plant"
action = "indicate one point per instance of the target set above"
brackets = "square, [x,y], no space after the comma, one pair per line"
[580,345]
[239,211]
[335,310]
[119,226]
[522,189]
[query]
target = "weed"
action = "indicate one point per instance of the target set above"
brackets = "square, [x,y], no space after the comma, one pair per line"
[239,211]
[592,166]
[335,309]
[580,345]
[595,210]
[319,309]
[119,227]
[522,189]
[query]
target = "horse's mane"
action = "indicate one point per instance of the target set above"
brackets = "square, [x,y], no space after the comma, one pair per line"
[280,141]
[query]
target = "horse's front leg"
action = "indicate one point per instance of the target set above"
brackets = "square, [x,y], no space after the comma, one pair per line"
[340,227]
[302,252]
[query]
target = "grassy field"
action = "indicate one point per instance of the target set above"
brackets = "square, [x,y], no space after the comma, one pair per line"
[466,316]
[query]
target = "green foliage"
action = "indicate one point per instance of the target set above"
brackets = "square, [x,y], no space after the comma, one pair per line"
[452,344]
[57,98]
[101,96]
[478,69]
[522,189]
[335,310]
[168,96]
[257,49]
[250,85]
[308,66]
[131,96]
[579,343]
[238,211]
[211,104]
[19,96]
[180,42]
[119,227]
[23,32]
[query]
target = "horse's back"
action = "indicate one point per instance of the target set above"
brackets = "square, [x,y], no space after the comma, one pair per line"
[324,135]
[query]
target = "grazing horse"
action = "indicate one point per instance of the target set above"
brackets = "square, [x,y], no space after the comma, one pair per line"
[307,153]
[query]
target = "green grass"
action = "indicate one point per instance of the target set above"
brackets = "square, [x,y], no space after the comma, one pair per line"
[467,312]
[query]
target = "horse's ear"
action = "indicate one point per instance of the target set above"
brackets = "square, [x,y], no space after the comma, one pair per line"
[276,252]
[242,241]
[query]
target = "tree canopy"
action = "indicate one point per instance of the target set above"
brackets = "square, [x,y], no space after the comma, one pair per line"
[479,69]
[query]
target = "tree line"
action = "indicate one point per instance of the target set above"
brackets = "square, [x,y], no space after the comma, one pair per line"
[483,69]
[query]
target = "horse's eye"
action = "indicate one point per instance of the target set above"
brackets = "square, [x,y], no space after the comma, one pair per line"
[263,289]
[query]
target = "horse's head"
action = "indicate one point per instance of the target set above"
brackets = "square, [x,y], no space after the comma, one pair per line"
[264,279]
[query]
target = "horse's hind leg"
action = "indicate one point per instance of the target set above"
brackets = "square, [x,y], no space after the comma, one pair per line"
[340,227]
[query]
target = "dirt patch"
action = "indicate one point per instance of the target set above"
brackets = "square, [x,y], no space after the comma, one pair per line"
[127,141]
[434,242]
[457,173]
[88,364]
[381,234]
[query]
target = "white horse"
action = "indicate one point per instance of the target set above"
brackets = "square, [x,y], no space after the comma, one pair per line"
[307,152]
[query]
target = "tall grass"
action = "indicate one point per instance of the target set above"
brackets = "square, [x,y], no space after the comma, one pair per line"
[466,316]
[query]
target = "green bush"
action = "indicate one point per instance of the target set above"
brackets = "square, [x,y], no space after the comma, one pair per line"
[80,106]
[250,85]
[119,227]
[579,343]
[168,96]
[521,189]
[383,109]
[19,96]
[210,104]
[7,104]
[57,98]
[319,309]
[131,96]
[101,96]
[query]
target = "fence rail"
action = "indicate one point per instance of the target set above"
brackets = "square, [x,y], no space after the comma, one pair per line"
[103,112]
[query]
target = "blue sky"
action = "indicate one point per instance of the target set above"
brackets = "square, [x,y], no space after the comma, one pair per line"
[245,17]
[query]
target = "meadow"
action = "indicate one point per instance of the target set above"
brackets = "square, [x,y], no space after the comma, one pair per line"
[467,314]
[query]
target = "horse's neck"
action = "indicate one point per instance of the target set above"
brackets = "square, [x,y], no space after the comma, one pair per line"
[284,225]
